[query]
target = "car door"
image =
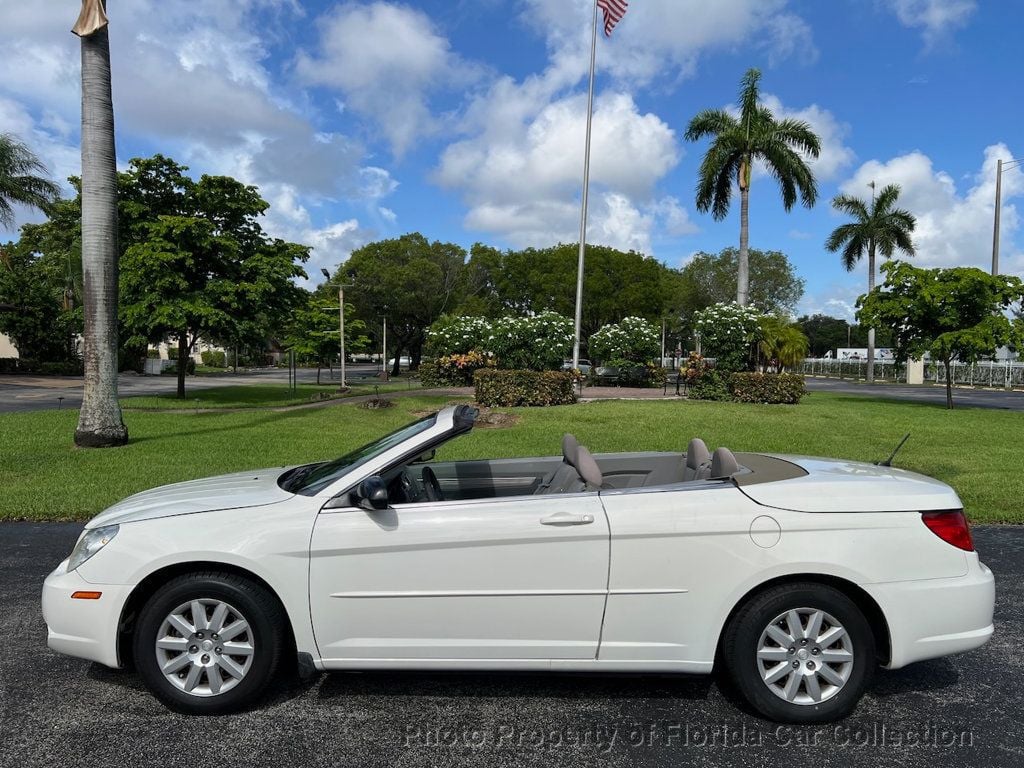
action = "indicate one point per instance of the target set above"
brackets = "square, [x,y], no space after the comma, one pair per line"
[470,581]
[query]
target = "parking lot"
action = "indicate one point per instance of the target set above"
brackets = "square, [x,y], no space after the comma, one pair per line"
[961,711]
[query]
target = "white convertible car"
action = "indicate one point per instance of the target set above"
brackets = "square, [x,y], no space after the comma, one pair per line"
[796,575]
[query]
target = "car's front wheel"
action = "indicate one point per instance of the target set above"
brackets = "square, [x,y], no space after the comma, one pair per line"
[800,653]
[209,643]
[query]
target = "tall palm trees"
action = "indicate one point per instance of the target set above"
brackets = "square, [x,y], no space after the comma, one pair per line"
[23,180]
[99,421]
[876,228]
[739,142]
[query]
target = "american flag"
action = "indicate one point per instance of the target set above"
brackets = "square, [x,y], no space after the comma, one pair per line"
[614,10]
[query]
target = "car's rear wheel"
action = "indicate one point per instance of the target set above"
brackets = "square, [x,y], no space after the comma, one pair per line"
[209,643]
[800,653]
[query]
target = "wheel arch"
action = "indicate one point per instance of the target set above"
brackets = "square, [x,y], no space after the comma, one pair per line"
[148,586]
[864,601]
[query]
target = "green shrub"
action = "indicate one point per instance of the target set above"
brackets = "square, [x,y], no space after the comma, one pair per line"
[153,354]
[14,365]
[190,367]
[499,388]
[214,359]
[785,388]
[62,368]
[708,386]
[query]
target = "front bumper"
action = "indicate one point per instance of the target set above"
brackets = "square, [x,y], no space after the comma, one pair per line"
[930,618]
[83,628]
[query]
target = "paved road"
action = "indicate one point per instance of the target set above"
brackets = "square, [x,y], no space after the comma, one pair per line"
[962,711]
[37,393]
[975,398]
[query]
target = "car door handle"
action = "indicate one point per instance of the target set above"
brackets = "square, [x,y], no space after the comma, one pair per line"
[565,518]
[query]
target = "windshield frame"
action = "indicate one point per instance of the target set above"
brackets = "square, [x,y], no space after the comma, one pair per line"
[324,474]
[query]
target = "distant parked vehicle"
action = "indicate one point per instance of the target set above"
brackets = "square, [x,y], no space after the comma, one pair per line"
[584,366]
[403,362]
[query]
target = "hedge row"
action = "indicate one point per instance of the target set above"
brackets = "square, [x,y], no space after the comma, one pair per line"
[499,388]
[785,388]
[28,365]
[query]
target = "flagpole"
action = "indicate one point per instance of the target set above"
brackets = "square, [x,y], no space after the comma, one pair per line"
[586,190]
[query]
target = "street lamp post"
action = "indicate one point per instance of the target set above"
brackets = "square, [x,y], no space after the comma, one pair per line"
[1001,165]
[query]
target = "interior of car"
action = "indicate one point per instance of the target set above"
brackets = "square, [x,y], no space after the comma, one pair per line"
[576,470]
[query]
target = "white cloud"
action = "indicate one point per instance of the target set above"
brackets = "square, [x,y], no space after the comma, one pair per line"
[521,173]
[935,18]
[835,155]
[386,59]
[666,37]
[194,81]
[954,228]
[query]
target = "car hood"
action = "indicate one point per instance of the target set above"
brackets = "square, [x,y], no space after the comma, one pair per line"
[836,485]
[241,489]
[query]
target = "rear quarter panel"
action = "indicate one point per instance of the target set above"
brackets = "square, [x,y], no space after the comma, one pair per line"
[681,560]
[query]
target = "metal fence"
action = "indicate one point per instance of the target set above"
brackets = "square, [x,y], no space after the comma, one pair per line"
[1000,374]
[1004,374]
[885,370]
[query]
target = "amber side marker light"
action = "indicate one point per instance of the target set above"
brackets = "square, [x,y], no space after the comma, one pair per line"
[86,595]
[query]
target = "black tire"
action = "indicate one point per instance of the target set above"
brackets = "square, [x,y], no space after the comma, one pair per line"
[266,634]
[743,636]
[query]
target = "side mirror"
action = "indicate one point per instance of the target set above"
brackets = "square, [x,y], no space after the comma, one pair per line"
[373,494]
[423,458]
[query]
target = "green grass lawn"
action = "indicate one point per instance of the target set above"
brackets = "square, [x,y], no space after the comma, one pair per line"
[252,396]
[43,477]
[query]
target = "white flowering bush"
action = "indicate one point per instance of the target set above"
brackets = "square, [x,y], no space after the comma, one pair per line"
[728,333]
[452,335]
[537,343]
[634,340]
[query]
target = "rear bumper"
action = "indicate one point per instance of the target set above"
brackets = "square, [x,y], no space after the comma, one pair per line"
[83,628]
[936,617]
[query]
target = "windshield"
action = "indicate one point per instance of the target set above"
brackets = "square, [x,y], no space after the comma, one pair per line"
[313,478]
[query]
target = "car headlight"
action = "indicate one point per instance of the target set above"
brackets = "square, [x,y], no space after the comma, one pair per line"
[90,543]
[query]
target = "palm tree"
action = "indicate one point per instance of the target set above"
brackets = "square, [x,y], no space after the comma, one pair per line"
[783,344]
[880,228]
[23,179]
[739,142]
[99,421]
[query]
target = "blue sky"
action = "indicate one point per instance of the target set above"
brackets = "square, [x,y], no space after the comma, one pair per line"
[464,119]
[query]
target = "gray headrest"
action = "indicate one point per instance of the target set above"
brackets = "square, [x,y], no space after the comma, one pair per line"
[570,447]
[723,464]
[587,467]
[697,454]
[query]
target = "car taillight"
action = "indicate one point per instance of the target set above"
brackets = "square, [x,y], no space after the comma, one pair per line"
[950,526]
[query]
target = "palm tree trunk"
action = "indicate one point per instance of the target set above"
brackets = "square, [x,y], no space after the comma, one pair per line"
[99,420]
[871,331]
[743,266]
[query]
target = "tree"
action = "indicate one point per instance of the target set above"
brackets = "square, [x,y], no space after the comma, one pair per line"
[826,334]
[738,142]
[34,310]
[880,228]
[408,280]
[209,272]
[783,344]
[23,180]
[954,314]
[99,420]
[312,330]
[710,278]
[616,283]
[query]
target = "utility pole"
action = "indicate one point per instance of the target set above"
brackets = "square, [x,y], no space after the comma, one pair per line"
[1000,166]
[995,228]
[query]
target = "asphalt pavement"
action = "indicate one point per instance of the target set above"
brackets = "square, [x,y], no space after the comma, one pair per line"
[39,393]
[963,397]
[965,710]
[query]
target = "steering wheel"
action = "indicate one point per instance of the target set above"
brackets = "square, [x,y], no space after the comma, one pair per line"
[431,485]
